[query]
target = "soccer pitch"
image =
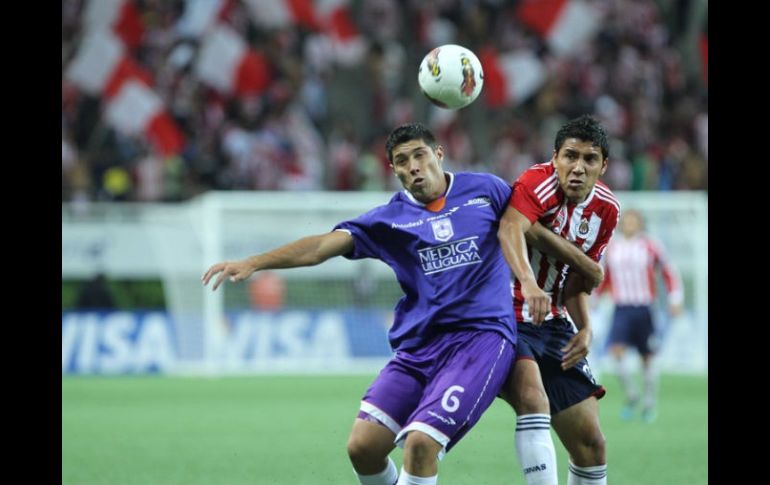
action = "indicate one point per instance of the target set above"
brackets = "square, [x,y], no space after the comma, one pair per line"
[292,430]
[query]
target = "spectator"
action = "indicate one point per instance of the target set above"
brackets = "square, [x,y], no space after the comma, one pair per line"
[634,74]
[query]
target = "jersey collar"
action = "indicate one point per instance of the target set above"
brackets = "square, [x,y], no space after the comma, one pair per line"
[446,194]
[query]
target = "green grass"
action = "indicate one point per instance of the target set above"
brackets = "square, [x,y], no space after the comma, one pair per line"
[293,430]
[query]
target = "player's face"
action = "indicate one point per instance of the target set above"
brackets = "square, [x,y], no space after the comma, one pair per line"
[418,167]
[630,224]
[578,165]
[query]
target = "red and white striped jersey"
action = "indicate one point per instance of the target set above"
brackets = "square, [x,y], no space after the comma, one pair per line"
[589,224]
[630,271]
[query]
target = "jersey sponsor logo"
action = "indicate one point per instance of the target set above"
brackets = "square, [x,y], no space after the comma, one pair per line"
[442,229]
[444,214]
[420,222]
[451,255]
[479,201]
[394,225]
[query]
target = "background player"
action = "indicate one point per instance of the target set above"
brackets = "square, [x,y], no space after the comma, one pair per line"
[631,262]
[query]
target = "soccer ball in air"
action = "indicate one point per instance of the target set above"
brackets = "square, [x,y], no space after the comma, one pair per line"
[450,76]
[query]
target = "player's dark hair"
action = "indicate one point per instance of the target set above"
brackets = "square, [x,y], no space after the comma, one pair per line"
[584,128]
[409,132]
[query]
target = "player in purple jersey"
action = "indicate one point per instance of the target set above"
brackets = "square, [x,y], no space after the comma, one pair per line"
[454,336]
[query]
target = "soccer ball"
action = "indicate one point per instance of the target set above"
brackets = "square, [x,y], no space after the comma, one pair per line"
[450,76]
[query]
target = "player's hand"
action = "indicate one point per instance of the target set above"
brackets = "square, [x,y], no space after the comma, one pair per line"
[235,270]
[576,348]
[538,301]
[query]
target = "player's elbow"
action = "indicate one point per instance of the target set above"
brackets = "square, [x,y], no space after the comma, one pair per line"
[316,251]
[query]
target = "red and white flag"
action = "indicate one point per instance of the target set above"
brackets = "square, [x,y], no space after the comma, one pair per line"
[510,78]
[119,16]
[272,14]
[337,23]
[703,45]
[566,25]
[199,15]
[96,60]
[227,64]
[103,68]
[330,18]
[136,110]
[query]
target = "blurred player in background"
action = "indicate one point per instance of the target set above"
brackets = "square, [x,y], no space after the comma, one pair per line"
[631,263]
[453,335]
[551,372]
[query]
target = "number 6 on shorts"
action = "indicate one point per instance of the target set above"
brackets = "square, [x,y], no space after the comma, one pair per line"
[450,402]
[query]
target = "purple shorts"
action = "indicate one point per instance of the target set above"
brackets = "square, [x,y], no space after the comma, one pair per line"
[441,388]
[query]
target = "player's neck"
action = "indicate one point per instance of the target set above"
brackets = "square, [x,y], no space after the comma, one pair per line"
[438,194]
[437,203]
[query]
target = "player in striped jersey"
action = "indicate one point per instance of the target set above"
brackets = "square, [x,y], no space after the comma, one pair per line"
[630,263]
[551,373]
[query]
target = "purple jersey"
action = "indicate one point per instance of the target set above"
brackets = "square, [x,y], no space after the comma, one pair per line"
[449,262]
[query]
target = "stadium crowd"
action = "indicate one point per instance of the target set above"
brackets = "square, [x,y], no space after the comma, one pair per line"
[318,118]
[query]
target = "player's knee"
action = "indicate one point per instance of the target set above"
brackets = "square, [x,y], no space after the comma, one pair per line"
[592,449]
[598,446]
[420,447]
[529,400]
[360,450]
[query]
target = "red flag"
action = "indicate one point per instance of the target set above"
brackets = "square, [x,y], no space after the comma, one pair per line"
[566,25]
[103,68]
[227,64]
[512,77]
[120,16]
[704,56]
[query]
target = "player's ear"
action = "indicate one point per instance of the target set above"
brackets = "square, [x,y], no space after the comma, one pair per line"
[553,156]
[604,166]
[439,152]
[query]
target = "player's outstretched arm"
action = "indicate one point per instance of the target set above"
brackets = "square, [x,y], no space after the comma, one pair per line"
[513,226]
[308,251]
[576,302]
[566,252]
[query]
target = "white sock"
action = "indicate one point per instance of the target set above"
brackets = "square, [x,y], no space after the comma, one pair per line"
[650,387]
[534,448]
[626,382]
[407,479]
[388,476]
[587,475]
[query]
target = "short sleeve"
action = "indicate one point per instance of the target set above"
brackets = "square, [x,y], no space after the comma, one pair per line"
[364,243]
[525,201]
[500,193]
